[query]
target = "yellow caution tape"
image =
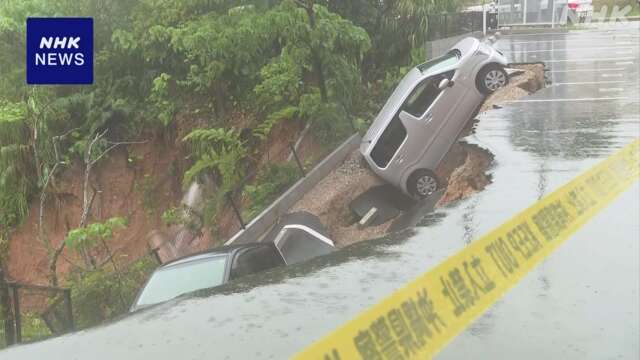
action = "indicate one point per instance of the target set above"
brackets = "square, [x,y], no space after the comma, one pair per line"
[418,320]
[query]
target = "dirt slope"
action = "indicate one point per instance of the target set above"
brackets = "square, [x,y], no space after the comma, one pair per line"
[140,189]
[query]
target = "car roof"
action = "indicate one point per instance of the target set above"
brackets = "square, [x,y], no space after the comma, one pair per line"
[222,250]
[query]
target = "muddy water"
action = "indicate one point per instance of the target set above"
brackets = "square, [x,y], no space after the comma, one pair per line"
[582,303]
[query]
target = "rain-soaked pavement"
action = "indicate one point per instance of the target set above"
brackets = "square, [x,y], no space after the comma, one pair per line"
[581,303]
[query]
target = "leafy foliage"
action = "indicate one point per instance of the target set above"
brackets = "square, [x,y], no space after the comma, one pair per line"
[14,164]
[91,235]
[325,63]
[183,216]
[271,182]
[104,293]
[219,151]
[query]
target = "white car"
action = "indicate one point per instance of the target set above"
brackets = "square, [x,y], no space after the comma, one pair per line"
[427,111]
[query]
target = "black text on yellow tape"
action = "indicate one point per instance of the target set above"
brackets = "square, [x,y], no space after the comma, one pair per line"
[421,318]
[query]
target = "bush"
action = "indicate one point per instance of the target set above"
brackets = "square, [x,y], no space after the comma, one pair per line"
[271,182]
[102,294]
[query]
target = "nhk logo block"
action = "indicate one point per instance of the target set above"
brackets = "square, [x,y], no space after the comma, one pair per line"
[59,51]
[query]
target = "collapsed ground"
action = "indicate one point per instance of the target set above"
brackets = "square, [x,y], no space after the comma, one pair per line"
[464,170]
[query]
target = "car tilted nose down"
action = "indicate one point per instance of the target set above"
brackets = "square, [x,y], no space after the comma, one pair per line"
[427,111]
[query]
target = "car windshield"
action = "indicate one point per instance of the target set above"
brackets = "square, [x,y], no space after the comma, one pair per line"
[167,283]
[435,65]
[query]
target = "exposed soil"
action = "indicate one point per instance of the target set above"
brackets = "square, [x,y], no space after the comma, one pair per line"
[463,170]
[530,81]
[140,190]
[138,182]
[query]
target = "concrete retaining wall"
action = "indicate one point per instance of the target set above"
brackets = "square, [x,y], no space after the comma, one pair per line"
[263,222]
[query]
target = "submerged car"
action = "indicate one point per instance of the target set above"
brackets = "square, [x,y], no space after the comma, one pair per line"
[208,269]
[427,111]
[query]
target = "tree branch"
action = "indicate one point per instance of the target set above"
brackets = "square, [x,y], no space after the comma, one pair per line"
[114,145]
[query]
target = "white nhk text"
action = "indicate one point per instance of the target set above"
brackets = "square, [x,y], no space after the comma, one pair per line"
[59,58]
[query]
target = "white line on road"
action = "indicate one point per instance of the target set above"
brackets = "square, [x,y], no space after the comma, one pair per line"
[586,70]
[611,75]
[610,89]
[565,49]
[624,62]
[591,60]
[573,41]
[569,100]
[591,83]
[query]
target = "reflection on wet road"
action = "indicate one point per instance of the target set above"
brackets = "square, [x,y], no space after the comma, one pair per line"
[580,303]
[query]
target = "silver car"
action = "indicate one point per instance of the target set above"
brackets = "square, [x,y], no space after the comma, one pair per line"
[427,111]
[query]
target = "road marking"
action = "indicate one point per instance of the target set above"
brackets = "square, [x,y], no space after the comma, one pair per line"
[565,49]
[421,318]
[587,70]
[569,100]
[592,60]
[610,89]
[573,41]
[590,83]
[536,34]
[611,75]
[625,63]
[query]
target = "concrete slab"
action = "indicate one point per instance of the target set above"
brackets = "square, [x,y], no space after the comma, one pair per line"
[389,201]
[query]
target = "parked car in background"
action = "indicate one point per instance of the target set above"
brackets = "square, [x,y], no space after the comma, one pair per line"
[208,269]
[425,114]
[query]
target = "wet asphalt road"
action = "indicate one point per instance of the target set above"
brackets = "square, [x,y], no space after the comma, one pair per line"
[581,303]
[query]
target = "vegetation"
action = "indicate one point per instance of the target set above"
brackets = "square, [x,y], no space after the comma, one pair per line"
[271,182]
[326,64]
[104,293]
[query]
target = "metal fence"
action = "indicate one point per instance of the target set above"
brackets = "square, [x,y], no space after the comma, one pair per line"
[33,312]
[447,25]
[532,12]
[278,170]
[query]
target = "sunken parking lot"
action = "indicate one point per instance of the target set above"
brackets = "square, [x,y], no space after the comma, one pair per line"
[569,102]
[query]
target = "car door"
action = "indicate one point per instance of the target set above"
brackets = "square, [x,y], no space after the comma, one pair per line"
[458,106]
[255,259]
[425,113]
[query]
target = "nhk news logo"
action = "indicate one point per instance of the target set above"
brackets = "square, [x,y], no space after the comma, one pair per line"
[59,51]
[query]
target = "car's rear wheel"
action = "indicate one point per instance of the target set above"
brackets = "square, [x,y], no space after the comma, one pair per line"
[422,183]
[491,78]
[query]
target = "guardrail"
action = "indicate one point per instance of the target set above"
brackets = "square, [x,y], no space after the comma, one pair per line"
[268,217]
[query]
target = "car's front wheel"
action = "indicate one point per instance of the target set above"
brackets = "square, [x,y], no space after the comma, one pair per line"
[492,78]
[422,183]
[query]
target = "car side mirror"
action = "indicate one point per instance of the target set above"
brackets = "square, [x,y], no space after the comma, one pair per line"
[445,83]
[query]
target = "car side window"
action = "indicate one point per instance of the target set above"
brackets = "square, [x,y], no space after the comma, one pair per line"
[424,95]
[253,260]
